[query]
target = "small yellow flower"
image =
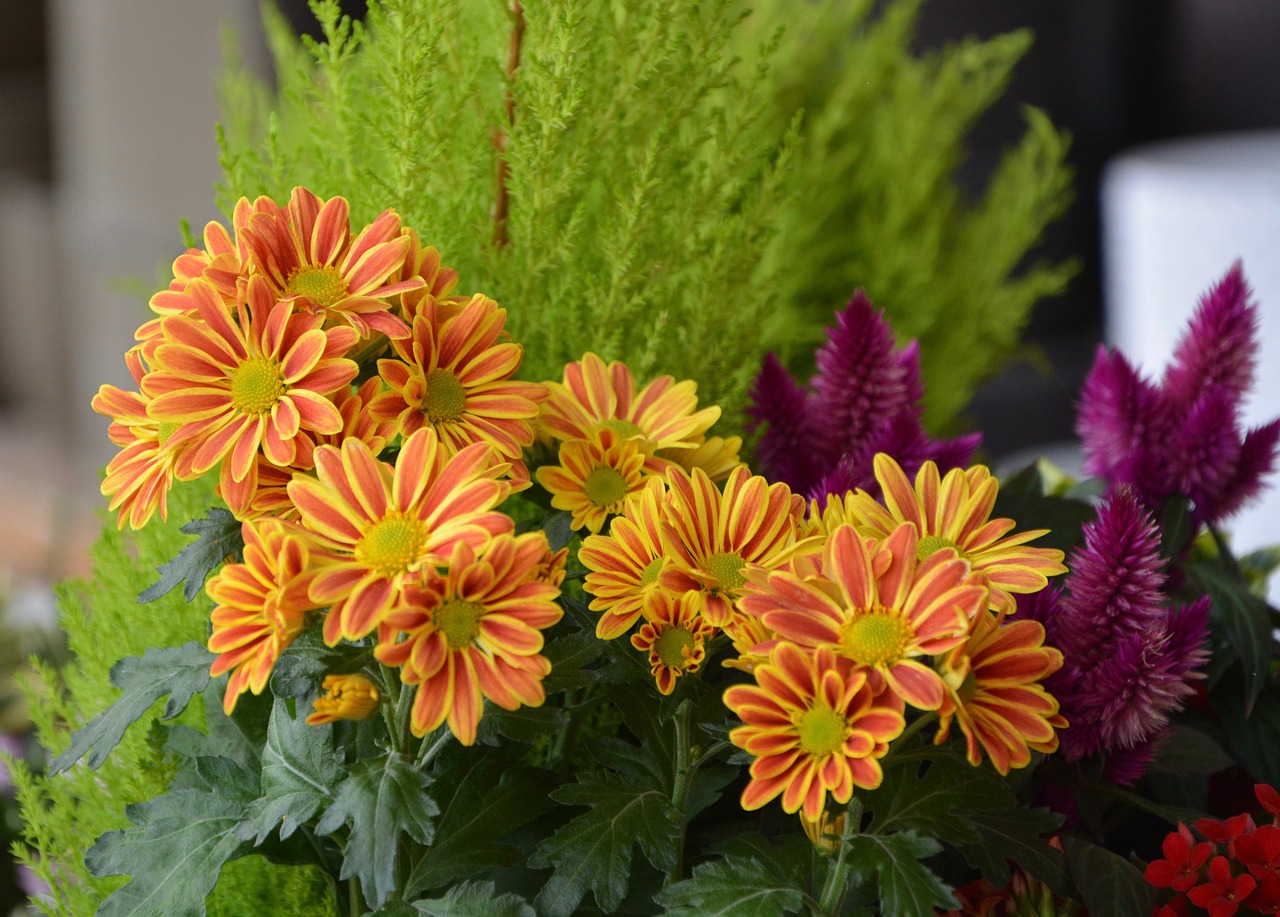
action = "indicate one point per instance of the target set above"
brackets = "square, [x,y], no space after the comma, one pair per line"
[349,697]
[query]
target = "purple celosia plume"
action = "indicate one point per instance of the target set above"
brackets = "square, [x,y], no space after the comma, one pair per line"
[1130,658]
[1184,435]
[864,399]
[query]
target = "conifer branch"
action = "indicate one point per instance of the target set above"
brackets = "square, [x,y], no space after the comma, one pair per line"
[500,206]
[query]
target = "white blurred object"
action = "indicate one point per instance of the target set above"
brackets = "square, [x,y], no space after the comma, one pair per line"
[1175,215]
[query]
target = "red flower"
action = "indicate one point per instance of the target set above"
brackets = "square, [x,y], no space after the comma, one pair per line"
[1227,831]
[1265,899]
[1269,798]
[1180,869]
[1259,850]
[1223,894]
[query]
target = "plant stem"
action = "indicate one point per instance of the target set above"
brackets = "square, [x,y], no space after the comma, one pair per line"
[833,890]
[432,747]
[682,780]
[501,202]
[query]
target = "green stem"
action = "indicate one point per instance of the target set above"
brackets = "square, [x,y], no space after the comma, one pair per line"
[1224,552]
[837,883]
[682,780]
[438,740]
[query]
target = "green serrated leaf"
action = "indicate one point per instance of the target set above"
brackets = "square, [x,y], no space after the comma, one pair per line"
[1110,885]
[1243,617]
[570,655]
[1017,836]
[937,802]
[380,799]
[219,539]
[178,671]
[1188,752]
[481,801]
[475,899]
[173,853]
[732,887]
[593,851]
[907,887]
[300,769]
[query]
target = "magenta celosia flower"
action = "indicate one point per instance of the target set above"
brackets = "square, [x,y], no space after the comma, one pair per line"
[864,399]
[1130,658]
[1184,435]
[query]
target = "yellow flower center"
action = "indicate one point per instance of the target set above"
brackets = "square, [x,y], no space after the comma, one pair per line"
[877,637]
[822,731]
[443,396]
[727,569]
[392,545]
[459,621]
[257,386]
[671,645]
[320,283]
[931,544]
[605,486]
[649,575]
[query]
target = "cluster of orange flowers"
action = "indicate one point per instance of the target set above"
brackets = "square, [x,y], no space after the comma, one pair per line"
[846,617]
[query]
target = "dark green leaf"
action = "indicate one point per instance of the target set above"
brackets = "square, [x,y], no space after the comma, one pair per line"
[394,909]
[1176,527]
[570,654]
[558,529]
[174,851]
[1022,498]
[1017,836]
[526,724]
[219,540]
[178,671]
[1254,739]
[792,857]
[1109,885]
[1245,620]
[1190,753]
[481,801]
[937,803]
[593,851]
[732,887]
[907,887]
[300,769]
[475,899]
[380,799]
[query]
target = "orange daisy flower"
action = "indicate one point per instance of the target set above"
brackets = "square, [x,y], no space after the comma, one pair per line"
[954,512]
[674,635]
[139,477]
[994,692]
[261,605]
[474,632]
[812,731]
[454,375]
[223,263]
[596,478]
[712,537]
[384,528]
[346,697]
[237,388]
[625,564]
[716,455]
[306,252]
[663,415]
[876,606]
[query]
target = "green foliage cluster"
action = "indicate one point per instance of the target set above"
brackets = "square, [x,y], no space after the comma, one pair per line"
[686,184]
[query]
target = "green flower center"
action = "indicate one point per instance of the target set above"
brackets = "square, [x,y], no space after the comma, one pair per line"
[459,621]
[164,430]
[931,544]
[392,545]
[727,569]
[671,645]
[623,428]
[877,637]
[822,731]
[649,575]
[443,396]
[605,486]
[257,385]
[320,283]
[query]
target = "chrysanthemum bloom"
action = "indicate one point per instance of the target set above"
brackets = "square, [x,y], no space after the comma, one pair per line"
[954,512]
[139,477]
[717,456]
[308,256]
[994,693]
[223,263]
[675,636]
[814,727]
[1184,435]
[663,415]
[474,632]
[384,527]
[236,388]
[624,565]
[454,375]
[346,697]
[877,606]
[864,399]
[712,537]
[261,605]
[596,478]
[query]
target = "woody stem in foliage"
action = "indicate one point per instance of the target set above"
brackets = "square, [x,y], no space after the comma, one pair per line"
[501,204]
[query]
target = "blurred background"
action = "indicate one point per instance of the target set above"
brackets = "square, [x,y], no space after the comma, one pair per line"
[107,113]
